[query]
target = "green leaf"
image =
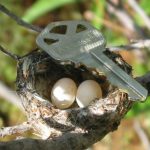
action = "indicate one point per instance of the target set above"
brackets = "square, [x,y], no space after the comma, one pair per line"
[139,108]
[41,7]
[145,5]
[98,9]
[139,69]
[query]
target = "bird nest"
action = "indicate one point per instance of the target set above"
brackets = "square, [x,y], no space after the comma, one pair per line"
[36,75]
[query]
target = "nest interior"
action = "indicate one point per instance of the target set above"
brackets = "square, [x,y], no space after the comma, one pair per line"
[37,73]
[40,72]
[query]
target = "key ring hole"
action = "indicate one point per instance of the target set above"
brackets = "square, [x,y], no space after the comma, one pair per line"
[80,28]
[61,29]
[50,41]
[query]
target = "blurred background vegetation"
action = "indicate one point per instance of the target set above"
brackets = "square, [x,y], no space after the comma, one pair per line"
[116,19]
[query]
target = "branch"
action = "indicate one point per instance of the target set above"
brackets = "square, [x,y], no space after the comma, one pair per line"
[143,137]
[18,20]
[124,18]
[145,81]
[90,125]
[74,128]
[10,96]
[6,52]
[79,139]
[89,15]
[139,44]
[19,129]
[30,144]
[139,10]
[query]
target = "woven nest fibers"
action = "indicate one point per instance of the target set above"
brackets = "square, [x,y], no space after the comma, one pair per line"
[38,72]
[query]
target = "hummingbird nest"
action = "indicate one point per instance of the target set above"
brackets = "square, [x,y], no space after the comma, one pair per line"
[37,73]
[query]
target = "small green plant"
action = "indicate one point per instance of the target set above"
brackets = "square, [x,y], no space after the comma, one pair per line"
[41,7]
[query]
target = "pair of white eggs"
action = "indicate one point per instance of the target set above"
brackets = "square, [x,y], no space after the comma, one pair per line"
[65,92]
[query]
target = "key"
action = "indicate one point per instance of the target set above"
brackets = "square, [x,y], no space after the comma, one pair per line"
[79,42]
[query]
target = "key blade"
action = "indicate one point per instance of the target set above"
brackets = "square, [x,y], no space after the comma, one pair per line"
[115,75]
[87,47]
[119,78]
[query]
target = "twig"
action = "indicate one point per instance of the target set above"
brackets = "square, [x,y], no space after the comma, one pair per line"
[10,96]
[123,18]
[18,20]
[140,11]
[14,56]
[143,137]
[89,15]
[145,81]
[19,129]
[103,121]
[121,15]
[88,125]
[66,142]
[136,45]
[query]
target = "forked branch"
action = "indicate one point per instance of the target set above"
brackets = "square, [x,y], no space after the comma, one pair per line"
[19,20]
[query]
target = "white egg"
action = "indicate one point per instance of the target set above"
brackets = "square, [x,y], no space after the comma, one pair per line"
[87,91]
[63,93]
